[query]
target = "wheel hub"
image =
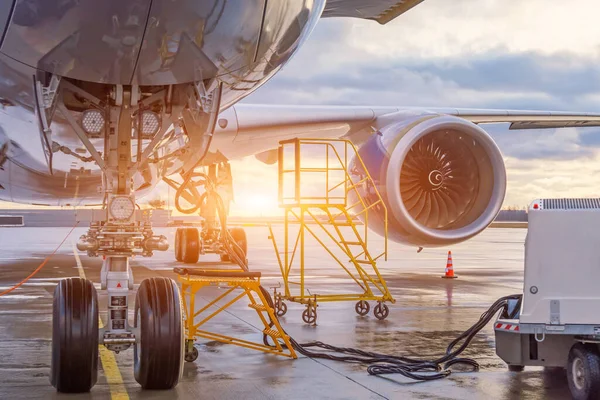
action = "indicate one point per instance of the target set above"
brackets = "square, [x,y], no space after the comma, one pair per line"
[578,374]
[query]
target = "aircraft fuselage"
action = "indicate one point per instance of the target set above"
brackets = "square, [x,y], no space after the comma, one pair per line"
[147,43]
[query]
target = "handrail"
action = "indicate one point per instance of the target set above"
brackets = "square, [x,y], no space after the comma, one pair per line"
[347,182]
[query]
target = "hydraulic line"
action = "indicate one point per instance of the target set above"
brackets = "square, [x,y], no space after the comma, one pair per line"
[235,252]
[39,268]
[417,369]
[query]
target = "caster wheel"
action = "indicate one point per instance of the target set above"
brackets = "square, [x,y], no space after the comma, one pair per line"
[381,311]
[191,356]
[362,308]
[309,315]
[190,245]
[280,309]
[516,368]
[74,366]
[178,243]
[158,356]
[583,371]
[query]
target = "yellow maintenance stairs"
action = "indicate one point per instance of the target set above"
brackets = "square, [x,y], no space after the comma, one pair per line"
[236,285]
[323,202]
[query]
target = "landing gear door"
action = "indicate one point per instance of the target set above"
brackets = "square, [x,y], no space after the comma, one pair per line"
[6,7]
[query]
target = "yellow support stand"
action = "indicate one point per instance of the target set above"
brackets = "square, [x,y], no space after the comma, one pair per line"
[323,199]
[248,283]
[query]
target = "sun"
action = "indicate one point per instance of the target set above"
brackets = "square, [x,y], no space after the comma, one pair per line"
[255,205]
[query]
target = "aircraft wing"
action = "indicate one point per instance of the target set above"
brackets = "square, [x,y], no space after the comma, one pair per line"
[382,11]
[253,129]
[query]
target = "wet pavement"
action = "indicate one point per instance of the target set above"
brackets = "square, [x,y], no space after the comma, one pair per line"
[428,314]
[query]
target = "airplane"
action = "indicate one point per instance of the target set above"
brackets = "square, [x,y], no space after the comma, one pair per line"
[101,100]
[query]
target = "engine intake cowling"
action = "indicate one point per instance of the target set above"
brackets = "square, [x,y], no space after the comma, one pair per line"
[442,178]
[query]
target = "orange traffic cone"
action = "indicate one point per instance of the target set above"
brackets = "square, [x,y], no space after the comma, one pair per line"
[449,268]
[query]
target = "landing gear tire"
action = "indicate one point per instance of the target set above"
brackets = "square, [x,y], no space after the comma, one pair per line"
[516,368]
[280,309]
[310,315]
[190,245]
[158,356]
[178,243]
[362,308]
[74,366]
[239,237]
[583,371]
[381,311]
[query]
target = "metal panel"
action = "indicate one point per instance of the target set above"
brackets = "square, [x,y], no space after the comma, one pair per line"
[88,39]
[570,204]
[11,220]
[6,7]
[197,40]
[382,11]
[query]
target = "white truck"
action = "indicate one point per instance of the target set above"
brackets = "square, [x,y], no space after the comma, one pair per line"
[557,321]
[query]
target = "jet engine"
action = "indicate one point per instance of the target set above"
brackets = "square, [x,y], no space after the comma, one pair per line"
[442,179]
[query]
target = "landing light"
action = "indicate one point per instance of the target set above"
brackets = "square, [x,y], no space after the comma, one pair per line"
[150,123]
[92,121]
[121,208]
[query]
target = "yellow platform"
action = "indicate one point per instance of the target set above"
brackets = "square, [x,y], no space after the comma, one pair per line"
[193,280]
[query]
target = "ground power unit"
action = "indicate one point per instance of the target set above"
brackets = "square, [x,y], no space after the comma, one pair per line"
[557,321]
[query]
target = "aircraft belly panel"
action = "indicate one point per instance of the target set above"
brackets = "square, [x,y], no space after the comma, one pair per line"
[198,40]
[5,10]
[89,40]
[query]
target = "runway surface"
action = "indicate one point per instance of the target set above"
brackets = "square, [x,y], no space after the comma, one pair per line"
[428,314]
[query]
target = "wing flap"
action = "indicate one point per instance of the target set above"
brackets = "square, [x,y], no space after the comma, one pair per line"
[382,11]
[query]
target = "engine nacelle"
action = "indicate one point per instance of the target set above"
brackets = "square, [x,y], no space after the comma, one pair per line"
[442,178]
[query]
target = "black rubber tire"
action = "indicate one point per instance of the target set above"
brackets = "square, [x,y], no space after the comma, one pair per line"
[158,314]
[239,237]
[190,249]
[362,307]
[588,357]
[178,243]
[191,356]
[74,365]
[309,315]
[516,368]
[281,310]
[381,311]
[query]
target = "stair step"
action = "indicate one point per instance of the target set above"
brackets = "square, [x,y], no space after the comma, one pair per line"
[273,333]
[365,262]
[352,243]
[342,223]
[258,307]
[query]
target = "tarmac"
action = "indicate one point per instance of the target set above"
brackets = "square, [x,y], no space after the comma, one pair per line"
[429,312]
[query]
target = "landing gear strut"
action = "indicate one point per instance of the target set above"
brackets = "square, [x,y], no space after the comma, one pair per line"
[213,203]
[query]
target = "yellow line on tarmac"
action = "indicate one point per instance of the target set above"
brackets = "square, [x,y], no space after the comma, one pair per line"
[109,363]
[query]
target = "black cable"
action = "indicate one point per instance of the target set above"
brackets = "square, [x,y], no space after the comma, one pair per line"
[417,369]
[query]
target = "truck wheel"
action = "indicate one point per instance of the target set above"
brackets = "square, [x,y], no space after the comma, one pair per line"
[583,371]
[158,356]
[178,242]
[516,368]
[190,245]
[74,366]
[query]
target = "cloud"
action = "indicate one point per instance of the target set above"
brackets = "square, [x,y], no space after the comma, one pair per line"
[510,54]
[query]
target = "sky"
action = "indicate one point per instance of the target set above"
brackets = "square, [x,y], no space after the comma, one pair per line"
[510,54]
[517,54]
